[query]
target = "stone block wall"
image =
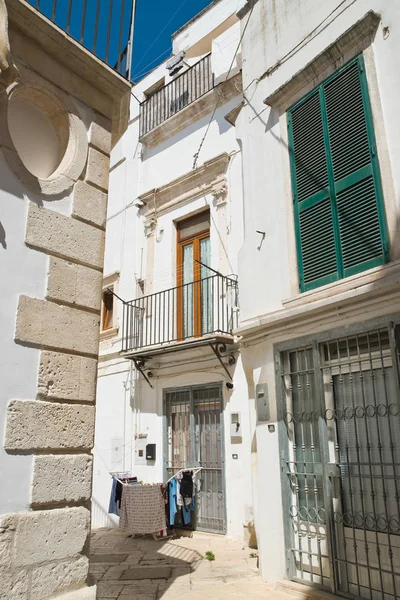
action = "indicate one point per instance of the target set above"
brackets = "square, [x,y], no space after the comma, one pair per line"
[44,552]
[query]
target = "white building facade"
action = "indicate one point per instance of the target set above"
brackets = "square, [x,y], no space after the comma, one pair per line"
[175,222]
[319,289]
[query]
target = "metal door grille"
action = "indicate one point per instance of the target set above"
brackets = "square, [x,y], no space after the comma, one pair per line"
[195,438]
[342,464]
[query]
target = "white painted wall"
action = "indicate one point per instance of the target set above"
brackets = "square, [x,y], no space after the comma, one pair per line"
[22,271]
[203,26]
[270,35]
[126,405]
[268,273]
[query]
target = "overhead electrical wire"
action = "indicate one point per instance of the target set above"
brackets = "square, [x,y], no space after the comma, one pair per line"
[143,72]
[196,156]
[161,32]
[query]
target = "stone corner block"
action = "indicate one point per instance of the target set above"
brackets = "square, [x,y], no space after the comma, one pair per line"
[62,236]
[6,543]
[98,169]
[14,585]
[74,484]
[74,284]
[67,377]
[90,204]
[49,325]
[49,535]
[37,425]
[100,134]
[53,578]
[86,593]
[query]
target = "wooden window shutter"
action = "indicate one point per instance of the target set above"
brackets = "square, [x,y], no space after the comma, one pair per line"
[312,202]
[340,221]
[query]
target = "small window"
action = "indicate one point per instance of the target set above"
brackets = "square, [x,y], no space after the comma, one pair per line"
[156,87]
[108,310]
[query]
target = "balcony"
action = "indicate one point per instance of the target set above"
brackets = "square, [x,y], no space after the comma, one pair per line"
[196,312]
[176,95]
[102,26]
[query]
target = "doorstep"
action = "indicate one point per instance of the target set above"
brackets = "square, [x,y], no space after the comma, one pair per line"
[301,591]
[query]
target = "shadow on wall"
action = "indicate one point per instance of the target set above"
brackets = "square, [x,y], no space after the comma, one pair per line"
[219,118]
[3,241]
[100,516]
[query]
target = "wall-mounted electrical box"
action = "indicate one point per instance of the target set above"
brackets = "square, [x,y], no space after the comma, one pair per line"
[150,452]
[117,451]
[262,402]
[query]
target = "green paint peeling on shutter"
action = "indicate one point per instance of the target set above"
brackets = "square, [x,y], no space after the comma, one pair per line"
[338,205]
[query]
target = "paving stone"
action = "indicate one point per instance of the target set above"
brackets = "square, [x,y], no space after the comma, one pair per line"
[115,572]
[147,573]
[143,590]
[133,558]
[107,589]
[158,562]
[138,596]
[108,558]
[180,571]
[186,575]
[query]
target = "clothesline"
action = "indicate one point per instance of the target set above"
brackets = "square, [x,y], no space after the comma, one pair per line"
[194,470]
[128,474]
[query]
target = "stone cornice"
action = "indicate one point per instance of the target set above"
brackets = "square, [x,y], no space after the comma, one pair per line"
[351,43]
[63,47]
[364,292]
[242,12]
[209,178]
[48,50]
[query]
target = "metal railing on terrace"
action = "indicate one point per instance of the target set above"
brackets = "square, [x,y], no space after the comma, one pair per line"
[173,97]
[102,26]
[189,311]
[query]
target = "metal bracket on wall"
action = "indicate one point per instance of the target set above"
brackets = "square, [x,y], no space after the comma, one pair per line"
[220,349]
[139,364]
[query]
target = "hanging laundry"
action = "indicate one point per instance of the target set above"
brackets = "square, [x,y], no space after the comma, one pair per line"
[142,509]
[172,494]
[179,499]
[114,505]
[187,510]
[186,484]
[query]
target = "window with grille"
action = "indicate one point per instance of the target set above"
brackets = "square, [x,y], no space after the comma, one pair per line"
[338,205]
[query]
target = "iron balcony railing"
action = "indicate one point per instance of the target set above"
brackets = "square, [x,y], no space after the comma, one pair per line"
[189,311]
[173,97]
[101,26]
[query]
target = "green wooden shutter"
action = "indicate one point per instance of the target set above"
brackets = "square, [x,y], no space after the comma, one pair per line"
[313,207]
[352,147]
[340,221]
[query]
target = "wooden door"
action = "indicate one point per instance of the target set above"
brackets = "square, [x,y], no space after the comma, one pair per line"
[194,280]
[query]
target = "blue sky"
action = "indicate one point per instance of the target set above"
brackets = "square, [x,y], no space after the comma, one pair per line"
[156,21]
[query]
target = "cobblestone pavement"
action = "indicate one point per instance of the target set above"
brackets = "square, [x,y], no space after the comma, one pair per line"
[127,568]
